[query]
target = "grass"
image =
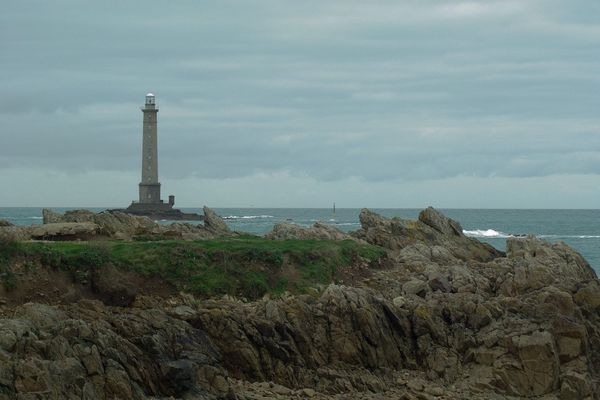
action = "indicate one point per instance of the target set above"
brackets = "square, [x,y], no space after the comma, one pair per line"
[242,266]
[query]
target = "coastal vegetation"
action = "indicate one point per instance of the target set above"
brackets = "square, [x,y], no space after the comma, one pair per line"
[245,266]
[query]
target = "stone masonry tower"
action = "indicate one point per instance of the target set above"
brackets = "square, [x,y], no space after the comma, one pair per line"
[150,204]
[149,186]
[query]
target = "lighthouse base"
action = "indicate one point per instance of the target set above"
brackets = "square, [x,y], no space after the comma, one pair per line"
[160,211]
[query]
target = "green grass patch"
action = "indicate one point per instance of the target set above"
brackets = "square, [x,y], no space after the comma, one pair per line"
[244,266]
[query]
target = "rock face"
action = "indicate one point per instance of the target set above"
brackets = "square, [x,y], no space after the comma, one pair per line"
[434,237]
[87,351]
[50,217]
[319,231]
[87,225]
[449,318]
[215,224]
[13,234]
[64,231]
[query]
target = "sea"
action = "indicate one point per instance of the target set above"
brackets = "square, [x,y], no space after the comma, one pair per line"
[578,228]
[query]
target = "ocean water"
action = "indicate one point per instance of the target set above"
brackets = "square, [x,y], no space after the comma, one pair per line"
[578,228]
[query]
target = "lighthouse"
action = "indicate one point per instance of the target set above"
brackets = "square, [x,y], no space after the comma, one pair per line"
[149,186]
[149,203]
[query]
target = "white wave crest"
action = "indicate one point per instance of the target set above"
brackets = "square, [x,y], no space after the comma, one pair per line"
[248,216]
[569,236]
[487,233]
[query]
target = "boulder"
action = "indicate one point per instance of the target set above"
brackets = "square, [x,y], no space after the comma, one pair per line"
[50,217]
[319,231]
[109,223]
[14,233]
[215,224]
[122,226]
[538,264]
[539,362]
[4,223]
[438,221]
[64,231]
[433,237]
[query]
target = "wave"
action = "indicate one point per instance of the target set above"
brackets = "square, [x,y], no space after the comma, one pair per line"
[487,233]
[248,216]
[569,236]
[15,218]
[491,233]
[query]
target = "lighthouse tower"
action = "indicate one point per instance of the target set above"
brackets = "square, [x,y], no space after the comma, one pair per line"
[149,186]
[150,204]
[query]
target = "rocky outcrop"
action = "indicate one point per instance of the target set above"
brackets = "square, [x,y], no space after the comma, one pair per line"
[433,237]
[51,217]
[319,231]
[215,224]
[13,234]
[88,351]
[109,223]
[87,225]
[438,221]
[447,317]
[4,223]
[64,231]
[477,328]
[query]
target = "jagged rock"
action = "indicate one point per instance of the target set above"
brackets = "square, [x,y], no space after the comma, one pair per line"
[64,231]
[214,223]
[434,237]
[87,350]
[540,263]
[448,317]
[108,223]
[50,217]
[539,370]
[119,225]
[14,233]
[5,223]
[438,221]
[187,231]
[343,327]
[319,231]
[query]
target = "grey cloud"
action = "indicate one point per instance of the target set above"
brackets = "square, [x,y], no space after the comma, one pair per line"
[382,91]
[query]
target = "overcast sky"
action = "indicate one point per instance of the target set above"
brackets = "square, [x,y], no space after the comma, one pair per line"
[301,103]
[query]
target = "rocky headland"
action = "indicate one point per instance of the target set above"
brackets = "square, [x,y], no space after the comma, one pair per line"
[118,307]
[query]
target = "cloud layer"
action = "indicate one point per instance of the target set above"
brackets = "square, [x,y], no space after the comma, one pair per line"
[311,93]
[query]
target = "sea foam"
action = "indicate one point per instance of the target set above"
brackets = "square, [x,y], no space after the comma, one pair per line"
[487,233]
